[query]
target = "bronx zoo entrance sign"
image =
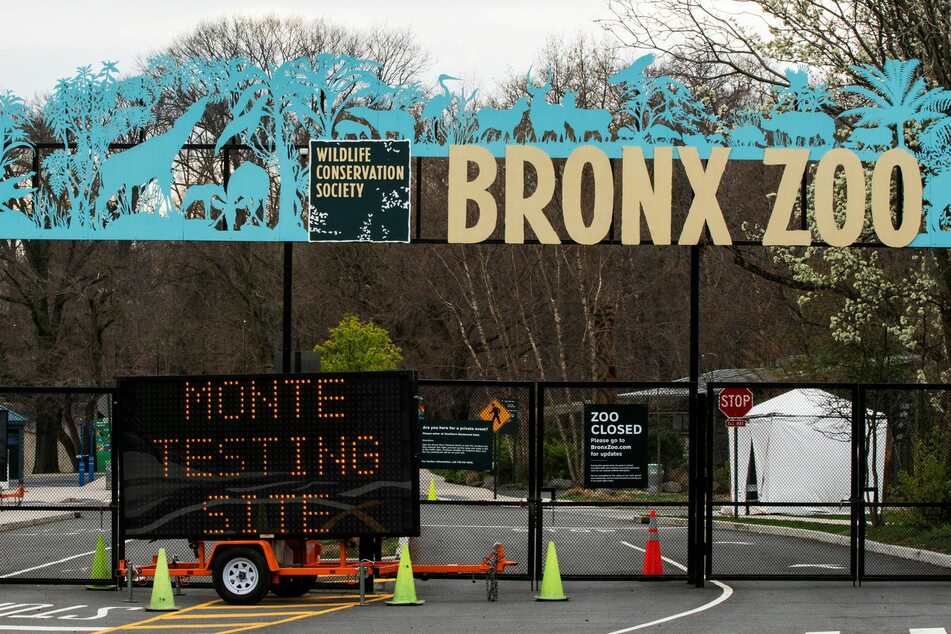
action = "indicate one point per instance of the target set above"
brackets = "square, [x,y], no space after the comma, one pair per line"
[652,163]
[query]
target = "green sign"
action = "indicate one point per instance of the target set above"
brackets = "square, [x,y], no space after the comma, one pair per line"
[455,444]
[103,444]
[359,191]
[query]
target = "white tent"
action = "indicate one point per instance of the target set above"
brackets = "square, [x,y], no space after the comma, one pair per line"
[800,443]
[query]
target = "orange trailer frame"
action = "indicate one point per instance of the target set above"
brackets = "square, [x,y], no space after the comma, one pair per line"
[308,565]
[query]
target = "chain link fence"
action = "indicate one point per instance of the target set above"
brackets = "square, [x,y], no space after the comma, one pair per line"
[475,472]
[906,530]
[592,509]
[56,484]
[781,483]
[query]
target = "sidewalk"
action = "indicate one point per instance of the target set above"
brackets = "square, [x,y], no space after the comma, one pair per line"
[92,496]
[449,491]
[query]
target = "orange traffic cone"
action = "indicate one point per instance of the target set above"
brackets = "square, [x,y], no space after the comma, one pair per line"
[653,564]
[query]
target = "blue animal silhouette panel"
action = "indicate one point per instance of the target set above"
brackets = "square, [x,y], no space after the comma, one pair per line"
[359,191]
[211,149]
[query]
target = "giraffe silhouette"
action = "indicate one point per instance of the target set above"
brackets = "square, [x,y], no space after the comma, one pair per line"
[147,161]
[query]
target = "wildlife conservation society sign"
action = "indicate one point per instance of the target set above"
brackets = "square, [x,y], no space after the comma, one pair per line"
[359,191]
[616,444]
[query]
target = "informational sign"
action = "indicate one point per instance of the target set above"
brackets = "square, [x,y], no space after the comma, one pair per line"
[511,406]
[359,191]
[735,402]
[616,446]
[103,444]
[296,455]
[455,444]
[736,422]
[496,413]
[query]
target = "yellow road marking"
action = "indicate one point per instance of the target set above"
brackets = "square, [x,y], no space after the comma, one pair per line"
[128,626]
[203,627]
[291,614]
[235,615]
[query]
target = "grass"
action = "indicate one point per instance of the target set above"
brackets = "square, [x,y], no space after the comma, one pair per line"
[587,495]
[899,530]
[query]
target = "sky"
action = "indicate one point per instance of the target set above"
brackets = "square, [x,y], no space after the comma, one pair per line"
[479,42]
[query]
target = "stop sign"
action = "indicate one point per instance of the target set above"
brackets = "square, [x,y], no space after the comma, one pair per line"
[735,402]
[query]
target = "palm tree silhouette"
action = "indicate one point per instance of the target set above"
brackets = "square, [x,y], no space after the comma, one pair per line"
[898,97]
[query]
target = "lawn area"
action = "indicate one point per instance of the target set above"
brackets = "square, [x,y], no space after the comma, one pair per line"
[898,530]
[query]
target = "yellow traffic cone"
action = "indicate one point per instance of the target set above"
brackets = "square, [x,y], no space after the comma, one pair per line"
[551,580]
[405,591]
[100,567]
[162,600]
[432,489]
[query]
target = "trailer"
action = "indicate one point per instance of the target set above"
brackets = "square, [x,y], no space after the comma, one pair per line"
[244,571]
[261,472]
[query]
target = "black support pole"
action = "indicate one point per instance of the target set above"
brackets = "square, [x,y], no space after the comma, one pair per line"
[288,298]
[696,506]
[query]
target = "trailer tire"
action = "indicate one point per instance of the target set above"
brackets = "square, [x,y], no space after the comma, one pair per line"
[241,576]
[292,587]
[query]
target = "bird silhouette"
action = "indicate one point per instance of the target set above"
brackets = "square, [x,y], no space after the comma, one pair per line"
[634,73]
[439,103]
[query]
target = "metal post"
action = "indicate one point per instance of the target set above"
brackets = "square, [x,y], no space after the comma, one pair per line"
[288,298]
[495,460]
[532,484]
[736,475]
[695,506]
[128,582]
[363,583]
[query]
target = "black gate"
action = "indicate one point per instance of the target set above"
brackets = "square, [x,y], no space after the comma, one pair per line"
[57,489]
[828,482]
[905,500]
[467,508]
[601,533]
[834,481]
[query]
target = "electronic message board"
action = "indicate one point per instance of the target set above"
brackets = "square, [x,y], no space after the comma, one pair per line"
[295,455]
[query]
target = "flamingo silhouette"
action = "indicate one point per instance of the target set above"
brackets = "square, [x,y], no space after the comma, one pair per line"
[439,103]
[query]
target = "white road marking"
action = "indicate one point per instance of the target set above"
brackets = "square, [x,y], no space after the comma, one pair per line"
[726,594]
[735,543]
[927,630]
[51,628]
[823,566]
[53,563]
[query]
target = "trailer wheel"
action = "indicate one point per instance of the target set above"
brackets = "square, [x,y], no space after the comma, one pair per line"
[292,587]
[241,576]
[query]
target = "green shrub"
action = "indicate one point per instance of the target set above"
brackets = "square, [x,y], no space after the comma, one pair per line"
[929,482]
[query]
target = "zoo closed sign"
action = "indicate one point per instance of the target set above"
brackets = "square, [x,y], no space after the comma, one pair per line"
[616,446]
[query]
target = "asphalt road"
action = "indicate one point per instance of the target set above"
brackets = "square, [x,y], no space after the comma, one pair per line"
[459,606]
[589,541]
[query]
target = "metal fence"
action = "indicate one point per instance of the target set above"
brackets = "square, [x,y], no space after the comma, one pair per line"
[848,482]
[57,487]
[603,530]
[473,508]
[830,482]
[906,500]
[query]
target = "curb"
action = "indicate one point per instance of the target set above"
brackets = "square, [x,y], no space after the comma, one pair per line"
[36,521]
[902,552]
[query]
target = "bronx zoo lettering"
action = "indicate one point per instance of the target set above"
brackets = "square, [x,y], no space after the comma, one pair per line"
[640,195]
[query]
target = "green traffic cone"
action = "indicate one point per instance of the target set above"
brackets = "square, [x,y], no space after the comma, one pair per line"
[162,599]
[100,566]
[551,580]
[405,591]
[432,489]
